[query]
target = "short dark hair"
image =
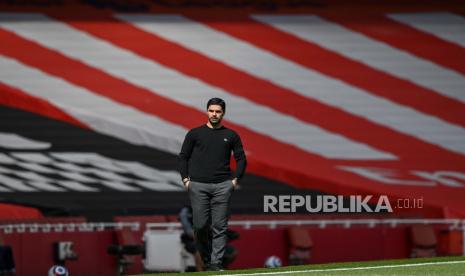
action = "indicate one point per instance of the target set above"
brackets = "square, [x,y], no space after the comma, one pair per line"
[217,101]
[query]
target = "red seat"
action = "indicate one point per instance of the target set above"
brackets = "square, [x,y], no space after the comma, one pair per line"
[300,245]
[424,241]
[128,236]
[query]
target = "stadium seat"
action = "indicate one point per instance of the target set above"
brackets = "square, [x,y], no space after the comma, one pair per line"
[424,241]
[450,243]
[300,245]
[127,236]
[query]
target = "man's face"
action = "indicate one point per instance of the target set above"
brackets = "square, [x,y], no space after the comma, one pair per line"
[215,114]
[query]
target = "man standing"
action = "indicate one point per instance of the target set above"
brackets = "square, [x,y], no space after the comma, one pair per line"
[206,174]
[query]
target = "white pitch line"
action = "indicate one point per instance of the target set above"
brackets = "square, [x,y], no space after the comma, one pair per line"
[346,268]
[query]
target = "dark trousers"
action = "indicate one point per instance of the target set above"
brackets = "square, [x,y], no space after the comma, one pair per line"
[210,204]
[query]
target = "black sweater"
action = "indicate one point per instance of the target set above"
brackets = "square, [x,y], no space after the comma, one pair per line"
[206,153]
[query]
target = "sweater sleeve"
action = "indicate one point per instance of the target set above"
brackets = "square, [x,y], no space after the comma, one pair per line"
[185,154]
[239,156]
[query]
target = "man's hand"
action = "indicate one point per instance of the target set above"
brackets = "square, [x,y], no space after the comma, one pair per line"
[186,182]
[235,183]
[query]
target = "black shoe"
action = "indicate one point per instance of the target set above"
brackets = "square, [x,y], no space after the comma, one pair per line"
[214,267]
[206,267]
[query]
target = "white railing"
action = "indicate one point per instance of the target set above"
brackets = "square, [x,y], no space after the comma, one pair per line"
[347,223]
[67,227]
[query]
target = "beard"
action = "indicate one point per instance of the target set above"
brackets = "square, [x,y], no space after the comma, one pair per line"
[214,121]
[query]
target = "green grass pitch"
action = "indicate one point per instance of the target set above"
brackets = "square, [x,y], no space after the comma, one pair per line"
[420,266]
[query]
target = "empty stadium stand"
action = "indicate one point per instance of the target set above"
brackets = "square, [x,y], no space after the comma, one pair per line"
[330,98]
[338,133]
